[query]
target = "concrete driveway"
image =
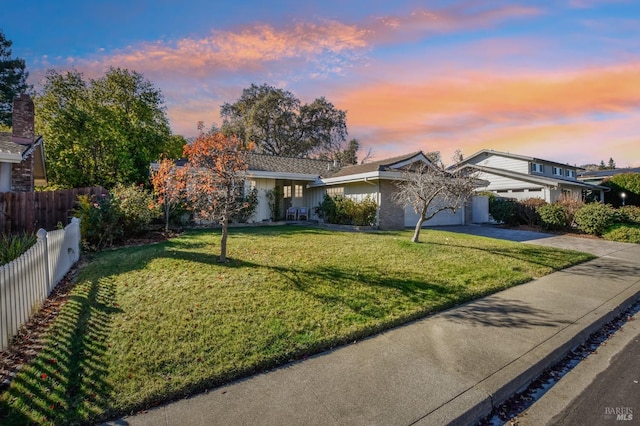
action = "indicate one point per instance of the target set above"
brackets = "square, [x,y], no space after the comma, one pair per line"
[595,246]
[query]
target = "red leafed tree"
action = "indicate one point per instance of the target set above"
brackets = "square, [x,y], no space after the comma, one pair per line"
[169,186]
[215,177]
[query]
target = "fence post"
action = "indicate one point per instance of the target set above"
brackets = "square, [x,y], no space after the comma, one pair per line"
[42,236]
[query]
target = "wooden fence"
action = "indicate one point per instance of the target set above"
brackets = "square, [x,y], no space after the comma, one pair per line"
[26,282]
[29,211]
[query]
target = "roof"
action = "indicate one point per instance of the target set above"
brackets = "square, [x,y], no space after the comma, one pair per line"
[608,172]
[9,150]
[542,180]
[278,164]
[516,156]
[381,165]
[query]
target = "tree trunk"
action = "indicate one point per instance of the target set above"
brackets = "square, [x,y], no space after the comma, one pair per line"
[223,241]
[416,232]
[166,216]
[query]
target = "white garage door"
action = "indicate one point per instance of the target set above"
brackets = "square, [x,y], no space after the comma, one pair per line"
[443,218]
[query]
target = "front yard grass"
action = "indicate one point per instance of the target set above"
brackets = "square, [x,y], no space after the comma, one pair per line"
[144,325]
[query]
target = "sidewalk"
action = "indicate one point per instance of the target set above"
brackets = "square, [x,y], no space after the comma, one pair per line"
[451,367]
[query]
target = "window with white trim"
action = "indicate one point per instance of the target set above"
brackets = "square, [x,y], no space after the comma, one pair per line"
[571,173]
[537,168]
[557,171]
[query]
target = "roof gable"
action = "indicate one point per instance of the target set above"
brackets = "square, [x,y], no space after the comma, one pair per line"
[394,163]
[510,155]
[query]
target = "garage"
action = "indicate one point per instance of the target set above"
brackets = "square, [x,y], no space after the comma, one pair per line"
[446,217]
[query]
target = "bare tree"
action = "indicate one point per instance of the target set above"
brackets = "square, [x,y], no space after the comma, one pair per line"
[430,189]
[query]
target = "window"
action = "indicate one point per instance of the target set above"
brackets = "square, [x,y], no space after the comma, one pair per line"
[571,173]
[336,190]
[298,191]
[537,168]
[286,191]
[557,171]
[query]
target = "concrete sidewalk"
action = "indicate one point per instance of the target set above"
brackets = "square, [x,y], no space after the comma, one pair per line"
[452,367]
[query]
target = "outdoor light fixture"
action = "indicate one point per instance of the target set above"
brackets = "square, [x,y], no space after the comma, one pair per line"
[623,196]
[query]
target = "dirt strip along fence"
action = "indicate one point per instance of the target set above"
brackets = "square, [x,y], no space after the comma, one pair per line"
[30,211]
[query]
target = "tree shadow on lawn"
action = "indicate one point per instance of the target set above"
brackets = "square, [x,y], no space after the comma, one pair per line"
[540,256]
[508,313]
[65,382]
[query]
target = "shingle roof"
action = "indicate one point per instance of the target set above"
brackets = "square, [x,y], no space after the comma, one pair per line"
[609,172]
[9,146]
[380,165]
[272,163]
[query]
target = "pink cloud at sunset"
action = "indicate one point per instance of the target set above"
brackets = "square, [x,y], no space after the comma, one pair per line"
[246,49]
[554,79]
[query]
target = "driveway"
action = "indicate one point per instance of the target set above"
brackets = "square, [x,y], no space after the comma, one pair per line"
[595,246]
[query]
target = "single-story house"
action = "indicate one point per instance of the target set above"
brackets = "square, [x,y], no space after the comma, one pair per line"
[521,177]
[22,164]
[302,184]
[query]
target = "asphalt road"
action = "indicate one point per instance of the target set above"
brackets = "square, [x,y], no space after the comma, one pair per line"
[613,397]
[603,389]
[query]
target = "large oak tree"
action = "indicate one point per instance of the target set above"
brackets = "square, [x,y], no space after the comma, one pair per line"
[279,124]
[102,131]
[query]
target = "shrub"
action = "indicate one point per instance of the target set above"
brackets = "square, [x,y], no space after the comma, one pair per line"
[12,246]
[100,221]
[273,198]
[629,183]
[251,200]
[362,213]
[571,206]
[628,214]
[554,216]
[595,218]
[345,211]
[504,210]
[136,207]
[527,213]
[623,233]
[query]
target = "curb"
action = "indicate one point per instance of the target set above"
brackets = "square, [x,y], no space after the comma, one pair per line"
[527,368]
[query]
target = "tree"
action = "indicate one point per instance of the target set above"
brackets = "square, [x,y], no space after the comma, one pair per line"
[611,164]
[430,189]
[13,79]
[103,131]
[627,183]
[278,124]
[168,186]
[215,179]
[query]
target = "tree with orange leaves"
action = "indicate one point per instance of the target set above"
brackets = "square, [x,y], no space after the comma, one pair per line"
[168,185]
[215,176]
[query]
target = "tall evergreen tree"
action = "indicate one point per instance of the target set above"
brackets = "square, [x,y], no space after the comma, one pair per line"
[13,79]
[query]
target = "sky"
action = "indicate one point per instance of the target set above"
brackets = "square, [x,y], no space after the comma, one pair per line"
[558,80]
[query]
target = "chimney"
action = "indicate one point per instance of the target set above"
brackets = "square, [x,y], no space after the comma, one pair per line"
[23,120]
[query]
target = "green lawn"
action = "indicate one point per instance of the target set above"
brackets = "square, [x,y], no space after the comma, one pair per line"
[147,324]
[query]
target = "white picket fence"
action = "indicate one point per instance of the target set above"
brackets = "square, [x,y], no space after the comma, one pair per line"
[26,282]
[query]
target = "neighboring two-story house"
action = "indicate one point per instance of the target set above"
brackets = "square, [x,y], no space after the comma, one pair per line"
[21,152]
[521,177]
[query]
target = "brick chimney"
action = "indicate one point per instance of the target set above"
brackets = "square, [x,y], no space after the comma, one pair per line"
[23,120]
